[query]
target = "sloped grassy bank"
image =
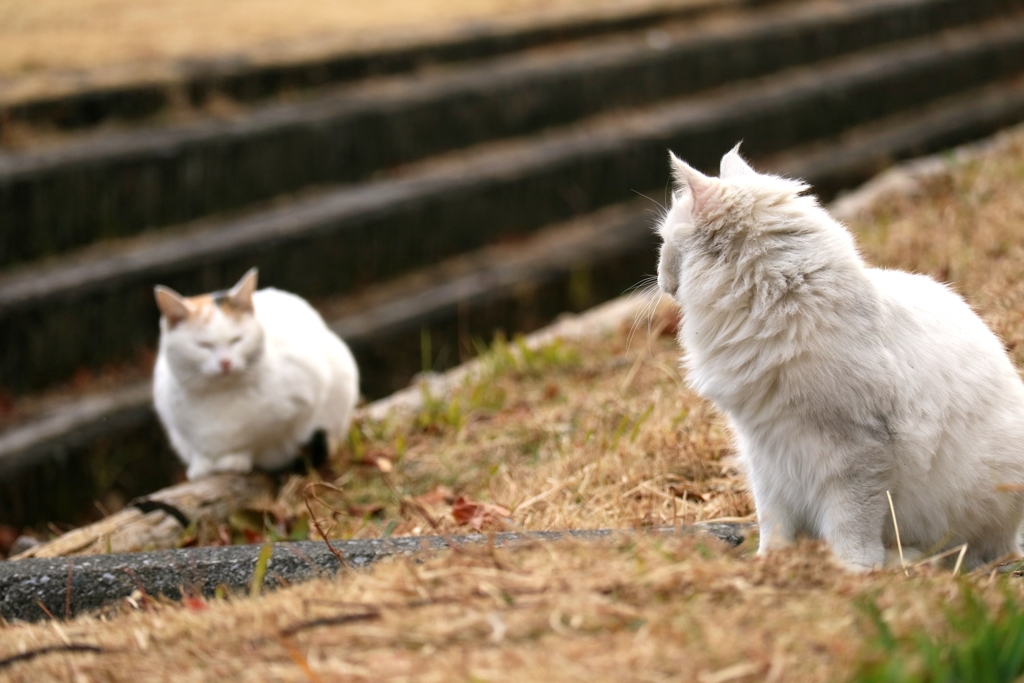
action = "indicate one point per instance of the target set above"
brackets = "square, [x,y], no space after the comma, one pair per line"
[602,431]
[596,433]
[593,433]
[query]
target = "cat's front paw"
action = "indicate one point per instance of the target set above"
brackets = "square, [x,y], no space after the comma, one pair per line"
[199,468]
[240,463]
[860,558]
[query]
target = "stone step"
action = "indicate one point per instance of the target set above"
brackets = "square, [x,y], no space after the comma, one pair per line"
[95,307]
[78,100]
[56,464]
[121,184]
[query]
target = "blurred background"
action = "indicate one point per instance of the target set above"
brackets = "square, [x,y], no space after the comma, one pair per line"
[429,173]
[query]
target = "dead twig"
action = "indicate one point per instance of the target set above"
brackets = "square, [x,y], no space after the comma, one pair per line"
[46,611]
[49,649]
[330,621]
[316,523]
[139,586]
[305,558]
[299,659]
[311,487]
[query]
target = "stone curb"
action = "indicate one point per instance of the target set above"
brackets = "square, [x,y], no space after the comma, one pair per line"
[99,580]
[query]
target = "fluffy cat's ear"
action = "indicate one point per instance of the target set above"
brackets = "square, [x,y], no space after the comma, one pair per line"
[241,294]
[172,305]
[689,179]
[733,165]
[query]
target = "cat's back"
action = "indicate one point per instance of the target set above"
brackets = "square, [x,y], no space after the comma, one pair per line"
[934,309]
[934,330]
[297,336]
[283,314]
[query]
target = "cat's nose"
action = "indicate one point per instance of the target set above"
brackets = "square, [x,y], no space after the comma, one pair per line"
[225,365]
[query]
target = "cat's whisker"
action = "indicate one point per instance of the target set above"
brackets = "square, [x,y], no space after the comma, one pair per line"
[642,285]
[659,212]
[655,298]
[650,296]
[642,291]
[660,205]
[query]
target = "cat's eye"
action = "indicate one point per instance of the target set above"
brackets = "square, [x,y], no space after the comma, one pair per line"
[235,341]
[205,345]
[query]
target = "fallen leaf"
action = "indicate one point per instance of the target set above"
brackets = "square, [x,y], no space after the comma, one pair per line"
[8,535]
[82,379]
[194,604]
[379,460]
[691,492]
[252,537]
[441,494]
[6,403]
[370,510]
[465,511]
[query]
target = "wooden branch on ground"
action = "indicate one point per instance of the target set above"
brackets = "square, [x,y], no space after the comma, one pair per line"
[155,522]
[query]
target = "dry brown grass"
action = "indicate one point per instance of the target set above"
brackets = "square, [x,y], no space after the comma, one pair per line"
[596,433]
[649,609]
[588,434]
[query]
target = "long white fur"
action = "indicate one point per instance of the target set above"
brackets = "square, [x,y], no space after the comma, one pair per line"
[288,376]
[841,381]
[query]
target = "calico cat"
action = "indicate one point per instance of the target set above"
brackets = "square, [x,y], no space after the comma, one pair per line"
[245,378]
[841,382]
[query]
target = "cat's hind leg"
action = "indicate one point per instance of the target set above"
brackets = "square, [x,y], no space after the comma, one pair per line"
[994,544]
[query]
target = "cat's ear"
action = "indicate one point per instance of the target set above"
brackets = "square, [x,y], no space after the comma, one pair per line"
[688,179]
[172,305]
[241,294]
[733,165]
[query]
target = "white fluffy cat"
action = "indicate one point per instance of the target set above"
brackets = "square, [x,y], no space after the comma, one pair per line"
[245,378]
[841,382]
